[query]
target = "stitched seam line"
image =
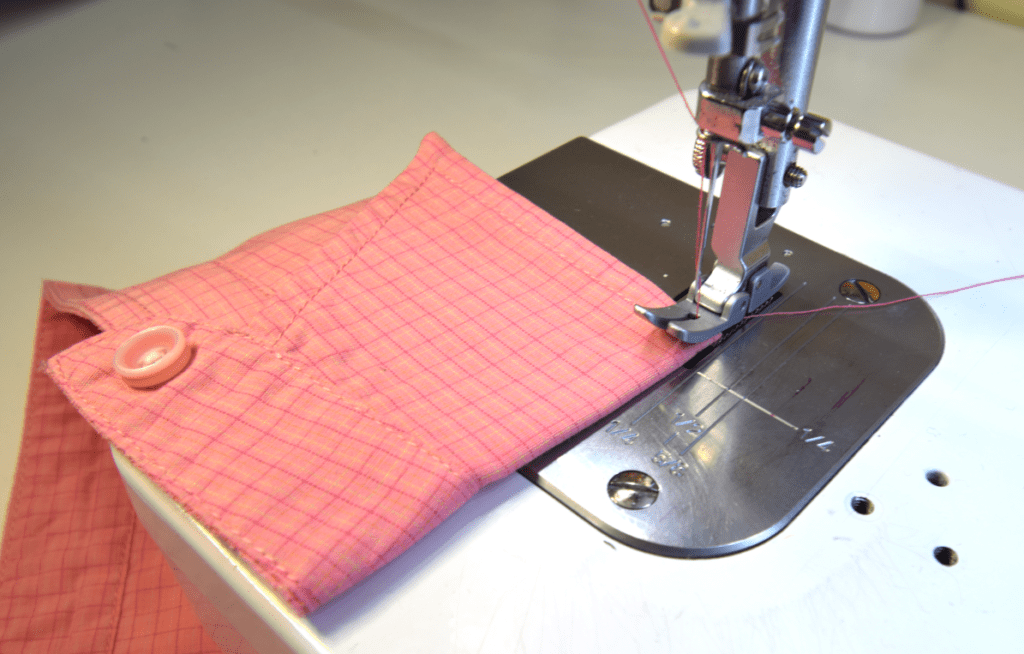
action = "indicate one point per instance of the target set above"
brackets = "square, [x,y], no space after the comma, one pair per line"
[122,583]
[92,410]
[217,514]
[356,253]
[258,287]
[127,299]
[360,409]
[363,410]
[536,237]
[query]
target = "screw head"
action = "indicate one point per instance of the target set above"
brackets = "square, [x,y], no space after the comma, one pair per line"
[860,291]
[753,79]
[632,489]
[665,6]
[795,176]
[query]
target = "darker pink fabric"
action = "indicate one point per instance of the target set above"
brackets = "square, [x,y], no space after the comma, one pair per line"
[359,374]
[78,573]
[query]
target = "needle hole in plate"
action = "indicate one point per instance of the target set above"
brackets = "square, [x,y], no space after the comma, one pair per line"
[947,556]
[862,505]
[937,478]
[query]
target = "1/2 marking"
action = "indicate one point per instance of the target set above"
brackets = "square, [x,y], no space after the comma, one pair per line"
[682,420]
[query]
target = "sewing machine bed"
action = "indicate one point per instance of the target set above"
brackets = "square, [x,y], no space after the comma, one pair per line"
[514,570]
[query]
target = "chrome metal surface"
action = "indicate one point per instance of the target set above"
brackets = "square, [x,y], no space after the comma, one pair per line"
[742,439]
[753,101]
[735,239]
[802,31]
[806,131]
[753,79]
[795,176]
[747,9]
[742,442]
[742,278]
[632,489]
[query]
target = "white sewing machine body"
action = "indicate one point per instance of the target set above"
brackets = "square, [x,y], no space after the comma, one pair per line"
[931,568]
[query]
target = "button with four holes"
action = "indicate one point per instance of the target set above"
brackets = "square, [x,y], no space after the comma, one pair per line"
[152,356]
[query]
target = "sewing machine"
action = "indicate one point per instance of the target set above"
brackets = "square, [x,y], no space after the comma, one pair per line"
[725,454]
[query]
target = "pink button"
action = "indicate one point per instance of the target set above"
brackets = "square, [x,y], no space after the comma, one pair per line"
[152,356]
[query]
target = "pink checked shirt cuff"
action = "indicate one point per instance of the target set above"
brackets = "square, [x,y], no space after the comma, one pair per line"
[355,376]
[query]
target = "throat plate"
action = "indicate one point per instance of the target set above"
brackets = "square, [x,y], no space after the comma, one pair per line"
[724,453]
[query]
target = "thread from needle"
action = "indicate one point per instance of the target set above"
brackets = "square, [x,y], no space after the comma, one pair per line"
[699,246]
[701,217]
[876,305]
[664,58]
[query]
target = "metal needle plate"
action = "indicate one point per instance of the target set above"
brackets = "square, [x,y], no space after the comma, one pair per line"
[724,453]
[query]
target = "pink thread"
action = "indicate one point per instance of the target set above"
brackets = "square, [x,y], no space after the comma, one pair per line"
[876,305]
[700,221]
[699,246]
[664,57]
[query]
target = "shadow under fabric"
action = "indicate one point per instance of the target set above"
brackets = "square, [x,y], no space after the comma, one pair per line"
[355,377]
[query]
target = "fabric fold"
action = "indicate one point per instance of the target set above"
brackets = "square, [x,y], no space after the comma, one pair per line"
[358,375]
[78,572]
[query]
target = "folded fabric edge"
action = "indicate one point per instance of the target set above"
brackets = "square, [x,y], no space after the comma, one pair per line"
[433,150]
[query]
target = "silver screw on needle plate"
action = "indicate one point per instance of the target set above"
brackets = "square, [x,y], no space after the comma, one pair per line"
[632,489]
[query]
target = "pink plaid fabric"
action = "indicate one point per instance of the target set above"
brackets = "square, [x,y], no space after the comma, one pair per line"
[78,572]
[359,374]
